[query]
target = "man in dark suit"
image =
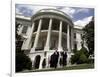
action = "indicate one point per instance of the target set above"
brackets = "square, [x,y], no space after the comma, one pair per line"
[54,59]
[56,53]
[64,54]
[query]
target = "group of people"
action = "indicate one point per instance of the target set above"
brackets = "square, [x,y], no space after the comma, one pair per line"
[57,57]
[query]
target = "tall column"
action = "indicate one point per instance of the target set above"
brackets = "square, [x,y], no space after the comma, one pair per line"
[48,36]
[68,46]
[68,39]
[60,38]
[60,43]
[28,41]
[37,36]
[47,45]
[72,39]
[41,60]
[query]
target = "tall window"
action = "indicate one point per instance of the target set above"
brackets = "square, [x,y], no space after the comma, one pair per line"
[81,36]
[75,35]
[24,29]
[75,46]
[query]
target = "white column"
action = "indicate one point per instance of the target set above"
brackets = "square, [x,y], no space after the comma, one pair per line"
[68,46]
[68,39]
[60,43]
[72,39]
[32,57]
[28,41]
[48,36]
[37,36]
[60,38]
[47,45]
[41,60]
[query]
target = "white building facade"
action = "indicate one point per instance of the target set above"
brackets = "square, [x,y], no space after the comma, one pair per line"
[47,31]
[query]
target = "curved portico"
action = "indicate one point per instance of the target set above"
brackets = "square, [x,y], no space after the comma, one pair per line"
[51,30]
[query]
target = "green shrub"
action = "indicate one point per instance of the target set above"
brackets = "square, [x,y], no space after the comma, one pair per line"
[74,50]
[82,59]
[90,61]
[80,56]
[75,58]
[22,62]
[84,50]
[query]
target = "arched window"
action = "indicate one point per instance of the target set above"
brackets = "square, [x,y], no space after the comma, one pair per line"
[37,61]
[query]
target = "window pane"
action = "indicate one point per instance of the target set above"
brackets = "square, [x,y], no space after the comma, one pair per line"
[24,29]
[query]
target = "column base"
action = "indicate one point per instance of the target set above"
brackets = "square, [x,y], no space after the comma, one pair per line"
[68,58]
[60,49]
[46,48]
[32,57]
[32,50]
[40,65]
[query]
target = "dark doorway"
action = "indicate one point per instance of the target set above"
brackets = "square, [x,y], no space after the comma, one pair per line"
[37,61]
